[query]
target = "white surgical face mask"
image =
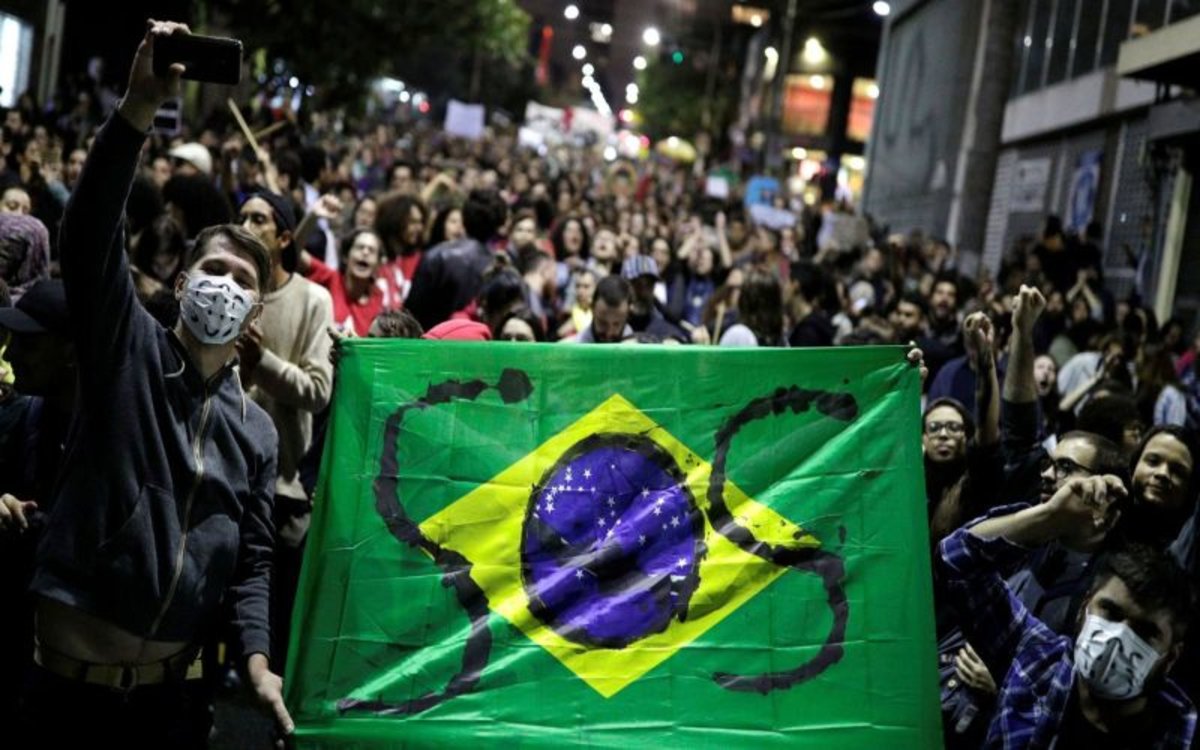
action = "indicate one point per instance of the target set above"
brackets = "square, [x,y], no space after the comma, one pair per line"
[214,308]
[1113,660]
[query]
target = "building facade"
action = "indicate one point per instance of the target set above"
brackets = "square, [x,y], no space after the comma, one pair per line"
[1096,124]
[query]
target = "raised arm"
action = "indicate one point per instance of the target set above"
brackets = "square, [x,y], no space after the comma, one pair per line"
[1019,385]
[978,329]
[328,206]
[99,290]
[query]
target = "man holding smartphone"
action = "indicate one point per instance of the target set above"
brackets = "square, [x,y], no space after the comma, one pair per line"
[161,530]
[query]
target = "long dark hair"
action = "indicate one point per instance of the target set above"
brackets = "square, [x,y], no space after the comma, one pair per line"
[437,233]
[392,212]
[1155,372]
[556,237]
[760,307]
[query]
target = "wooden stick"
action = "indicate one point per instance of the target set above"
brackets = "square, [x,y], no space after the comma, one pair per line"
[717,327]
[271,129]
[269,167]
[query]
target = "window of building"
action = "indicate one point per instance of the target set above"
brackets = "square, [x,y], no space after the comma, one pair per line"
[1179,10]
[1087,39]
[1062,38]
[16,51]
[1037,41]
[1151,15]
[1021,50]
[862,109]
[1117,23]
[806,104]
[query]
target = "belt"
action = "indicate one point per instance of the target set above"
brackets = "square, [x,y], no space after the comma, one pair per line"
[186,665]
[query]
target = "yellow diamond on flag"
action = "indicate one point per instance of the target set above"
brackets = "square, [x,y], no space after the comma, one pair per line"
[597,546]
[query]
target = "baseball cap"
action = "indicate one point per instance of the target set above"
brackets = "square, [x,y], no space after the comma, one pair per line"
[41,309]
[195,154]
[639,265]
[459,330]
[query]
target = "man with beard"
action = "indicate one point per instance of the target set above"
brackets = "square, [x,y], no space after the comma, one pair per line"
[1107,687]
[943,313]
[910,320]
[644,316]
[610,313]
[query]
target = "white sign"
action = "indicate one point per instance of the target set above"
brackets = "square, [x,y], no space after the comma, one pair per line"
[1030,181]
[716,187]
[584,120]
[464,120]
[773,218]
[530,138]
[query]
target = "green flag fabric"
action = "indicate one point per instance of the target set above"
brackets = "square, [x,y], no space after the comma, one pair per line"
[611,546]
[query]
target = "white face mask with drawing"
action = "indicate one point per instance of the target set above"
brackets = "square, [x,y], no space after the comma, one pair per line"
[1113,659]
[214,308]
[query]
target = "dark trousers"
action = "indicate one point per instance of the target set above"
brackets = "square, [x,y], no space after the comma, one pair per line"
[58,712]
[294,516]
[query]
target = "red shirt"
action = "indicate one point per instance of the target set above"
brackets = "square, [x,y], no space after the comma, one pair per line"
[347,313]
[396,277]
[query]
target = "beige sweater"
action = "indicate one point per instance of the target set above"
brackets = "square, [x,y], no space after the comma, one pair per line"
[295,377]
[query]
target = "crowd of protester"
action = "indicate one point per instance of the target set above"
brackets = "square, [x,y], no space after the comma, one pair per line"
[1060,415]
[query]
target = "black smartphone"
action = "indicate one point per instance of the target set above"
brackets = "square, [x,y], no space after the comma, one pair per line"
[210,59]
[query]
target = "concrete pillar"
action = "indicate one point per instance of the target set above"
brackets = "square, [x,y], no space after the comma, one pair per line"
[979,149]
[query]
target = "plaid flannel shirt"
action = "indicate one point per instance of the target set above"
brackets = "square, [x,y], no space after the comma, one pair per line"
[1036,663]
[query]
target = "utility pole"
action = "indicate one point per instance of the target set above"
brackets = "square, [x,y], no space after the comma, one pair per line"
[714,62]
[773,160]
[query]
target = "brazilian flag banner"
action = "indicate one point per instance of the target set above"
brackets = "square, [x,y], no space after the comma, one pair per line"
[525,545]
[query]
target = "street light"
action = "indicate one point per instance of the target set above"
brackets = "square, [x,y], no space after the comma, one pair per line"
[606,29]
[651,36]
[814,53]
[882,8]
[772,65]
[639,62]
[571,12]
[579,52]
[588,69]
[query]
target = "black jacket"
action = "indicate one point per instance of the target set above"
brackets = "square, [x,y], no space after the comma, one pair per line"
[163,505]
[448,279]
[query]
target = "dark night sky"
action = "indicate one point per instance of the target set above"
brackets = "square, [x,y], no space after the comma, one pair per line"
[111,30]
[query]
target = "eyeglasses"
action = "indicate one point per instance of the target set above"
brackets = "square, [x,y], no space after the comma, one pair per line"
[951,428]
[1065,467]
